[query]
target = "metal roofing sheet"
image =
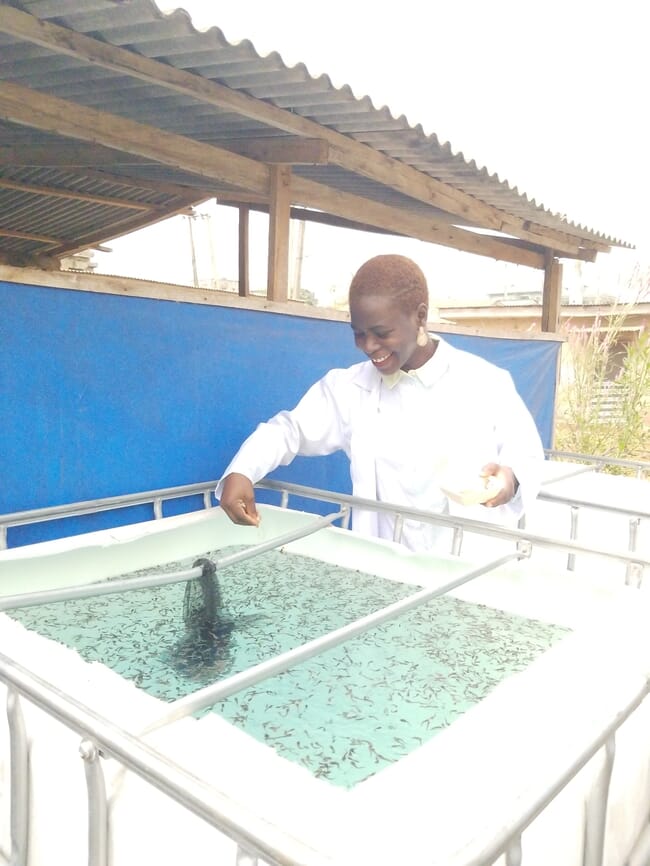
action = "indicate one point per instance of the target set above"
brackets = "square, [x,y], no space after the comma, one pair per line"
[140,27]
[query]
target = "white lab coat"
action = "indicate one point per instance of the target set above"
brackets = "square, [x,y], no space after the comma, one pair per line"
[398,431]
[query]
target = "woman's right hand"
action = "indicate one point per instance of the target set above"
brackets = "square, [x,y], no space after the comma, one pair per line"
[238,500]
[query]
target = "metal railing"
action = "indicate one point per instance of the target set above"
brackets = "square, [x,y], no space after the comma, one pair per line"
[576,505]
[458,525]
[155,498]
[641,468]
[635,563]
[254,837]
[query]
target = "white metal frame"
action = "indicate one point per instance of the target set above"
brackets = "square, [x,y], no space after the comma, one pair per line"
[256,839]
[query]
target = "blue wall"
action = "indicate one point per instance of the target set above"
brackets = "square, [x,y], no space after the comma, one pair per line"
[105,395]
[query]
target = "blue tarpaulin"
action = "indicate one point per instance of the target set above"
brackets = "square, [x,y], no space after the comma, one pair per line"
[105,395]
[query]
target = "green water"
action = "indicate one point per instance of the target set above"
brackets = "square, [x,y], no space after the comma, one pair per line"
[343,715]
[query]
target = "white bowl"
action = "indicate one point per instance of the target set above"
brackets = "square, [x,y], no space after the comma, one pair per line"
[472,490]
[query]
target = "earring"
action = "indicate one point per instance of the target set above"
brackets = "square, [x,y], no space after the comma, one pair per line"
[422,338]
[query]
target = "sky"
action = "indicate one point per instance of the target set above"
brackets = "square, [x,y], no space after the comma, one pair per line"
[550,97]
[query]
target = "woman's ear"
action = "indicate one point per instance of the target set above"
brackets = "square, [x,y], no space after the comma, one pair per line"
[422,313]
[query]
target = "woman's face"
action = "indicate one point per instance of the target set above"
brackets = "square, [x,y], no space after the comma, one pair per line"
[386,333]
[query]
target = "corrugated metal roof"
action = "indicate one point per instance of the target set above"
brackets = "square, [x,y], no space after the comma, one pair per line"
[59,193]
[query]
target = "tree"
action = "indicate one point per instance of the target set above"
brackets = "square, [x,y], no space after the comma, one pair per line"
[603,404]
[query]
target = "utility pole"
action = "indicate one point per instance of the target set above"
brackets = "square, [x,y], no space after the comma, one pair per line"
[190,219]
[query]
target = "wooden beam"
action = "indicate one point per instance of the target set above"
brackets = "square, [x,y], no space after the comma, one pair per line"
[346,152]
[311,216]
[18,104]
[238,197]
[244,226]
[349,211]
[583,255]
[552,294]
[285,150]
[404,222]
[27,236]
[278,266]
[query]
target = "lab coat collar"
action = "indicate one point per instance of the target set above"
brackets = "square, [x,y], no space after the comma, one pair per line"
[429,373]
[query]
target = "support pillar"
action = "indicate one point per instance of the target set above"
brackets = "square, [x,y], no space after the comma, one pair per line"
[279,211]
[244,220]
[552,295]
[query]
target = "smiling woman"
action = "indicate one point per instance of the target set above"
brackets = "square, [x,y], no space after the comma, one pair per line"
[416,411]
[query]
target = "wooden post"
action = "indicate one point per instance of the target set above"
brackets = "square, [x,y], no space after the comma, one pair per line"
[280,206]
[244,285]
[552,296]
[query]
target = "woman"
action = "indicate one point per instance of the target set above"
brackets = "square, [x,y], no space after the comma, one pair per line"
[416,412]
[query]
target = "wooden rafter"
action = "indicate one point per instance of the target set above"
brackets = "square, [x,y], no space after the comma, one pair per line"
[287,150]
[49,113]
[28,236]
[352,155]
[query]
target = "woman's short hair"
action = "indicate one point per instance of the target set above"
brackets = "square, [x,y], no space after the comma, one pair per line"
[391,276]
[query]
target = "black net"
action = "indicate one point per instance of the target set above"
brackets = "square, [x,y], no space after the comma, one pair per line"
[205,643]
[202,602]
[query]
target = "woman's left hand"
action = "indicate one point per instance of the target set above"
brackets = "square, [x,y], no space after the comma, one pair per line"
[507,483]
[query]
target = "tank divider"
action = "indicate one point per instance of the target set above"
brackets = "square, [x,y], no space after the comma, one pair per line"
[209,695]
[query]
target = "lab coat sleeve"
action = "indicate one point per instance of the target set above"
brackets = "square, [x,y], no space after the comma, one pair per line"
[316,426]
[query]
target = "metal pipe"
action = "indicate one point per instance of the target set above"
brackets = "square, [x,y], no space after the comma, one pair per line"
[92,506]
[638,465]
[457,541]
[632,574]
[90,590]
[596,809]
[573,534]
[633,533]
[482,851]
[97,805]
[469,525]
[596,506]
[224,688]
[514,852]
[19,780]
[248,830]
